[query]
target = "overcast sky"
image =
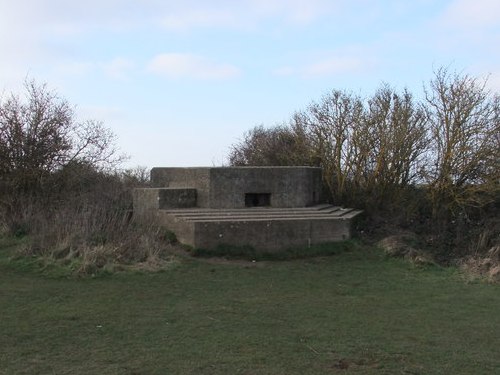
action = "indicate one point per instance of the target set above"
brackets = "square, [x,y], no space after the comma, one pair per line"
[179,82]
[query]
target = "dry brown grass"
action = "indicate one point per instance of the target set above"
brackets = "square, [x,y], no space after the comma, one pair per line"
[483,266]
[404,245]
[85,222]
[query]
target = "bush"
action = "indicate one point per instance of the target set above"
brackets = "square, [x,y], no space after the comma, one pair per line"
[60,187]
[431,165]
[89,221]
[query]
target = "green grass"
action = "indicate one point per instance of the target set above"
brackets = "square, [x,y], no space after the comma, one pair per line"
[356,312]
[250,253]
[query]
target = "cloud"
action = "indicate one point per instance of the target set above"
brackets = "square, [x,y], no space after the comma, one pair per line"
[118,68]
[334,65]
[285,71]
[108,114]
[75,68]
[490,72]
[294,11]
[185,19]
[472,13]
[244,14]
[493,82]
[184,65]
[329,66]
[64,17]
[468,28]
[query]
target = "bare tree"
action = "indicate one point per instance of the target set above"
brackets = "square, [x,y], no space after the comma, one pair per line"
[331,126]
[39,134]
[371,145]
[279,145]
[464,153]
[397,138]
[372,149]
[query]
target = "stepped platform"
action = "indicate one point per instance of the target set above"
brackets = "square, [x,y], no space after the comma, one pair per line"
[267,228]
[268,208]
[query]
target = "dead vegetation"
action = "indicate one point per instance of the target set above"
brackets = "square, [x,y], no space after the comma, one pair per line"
[429,166]
[60,187]
[405,245]
[95,236]
[483,266]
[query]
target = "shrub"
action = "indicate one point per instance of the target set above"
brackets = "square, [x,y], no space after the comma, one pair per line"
[60,187]
[431,165]
[90,220]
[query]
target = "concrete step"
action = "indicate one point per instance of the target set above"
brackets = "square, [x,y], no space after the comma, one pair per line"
[267,228]
[266,210]
[267,218]
[255,214]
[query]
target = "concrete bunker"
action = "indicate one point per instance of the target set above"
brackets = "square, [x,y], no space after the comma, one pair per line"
[269,208]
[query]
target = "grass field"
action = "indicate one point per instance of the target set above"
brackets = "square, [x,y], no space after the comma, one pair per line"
[351,313]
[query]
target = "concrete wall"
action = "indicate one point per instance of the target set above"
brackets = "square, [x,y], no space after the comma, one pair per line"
[148,201]
[196,178]
[184,230]
[225,187]
[288,186]
[270,235]
[145,203]
[176,198]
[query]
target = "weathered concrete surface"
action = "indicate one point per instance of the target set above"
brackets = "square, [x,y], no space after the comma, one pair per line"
[176,198]
[208,207]
[288,186]
[195,178]
[148,201]
[225,187]
[269,229]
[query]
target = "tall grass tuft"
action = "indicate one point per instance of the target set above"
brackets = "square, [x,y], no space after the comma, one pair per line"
[83,217]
